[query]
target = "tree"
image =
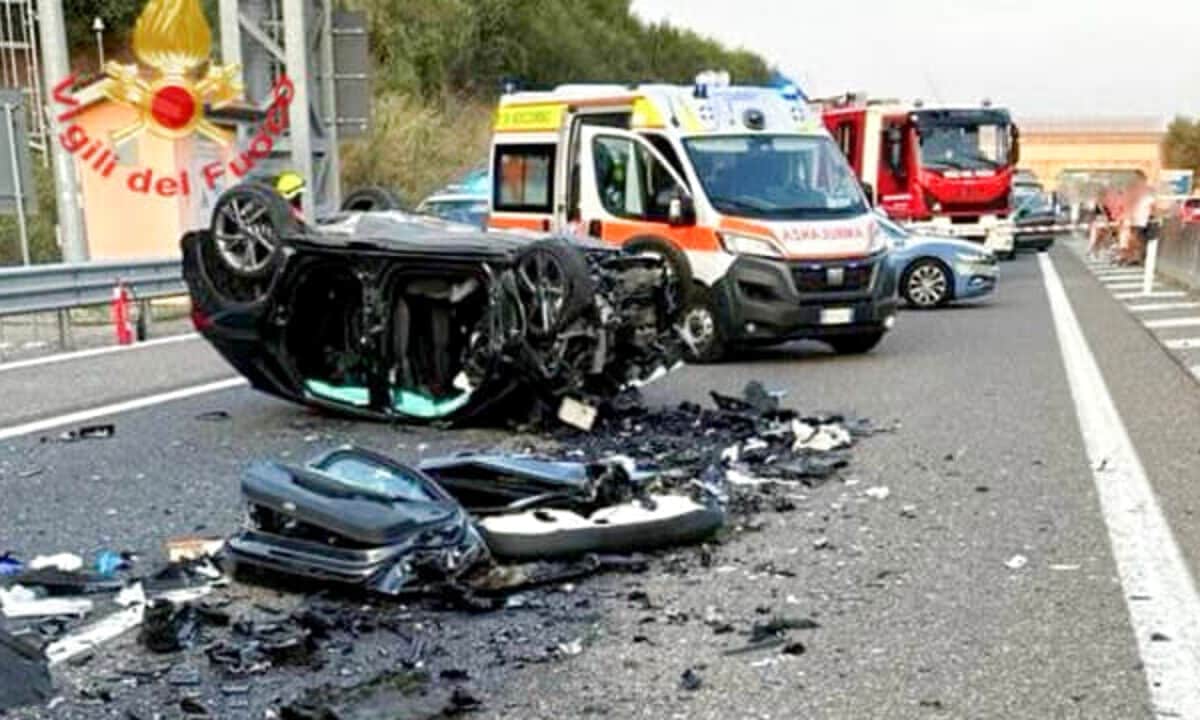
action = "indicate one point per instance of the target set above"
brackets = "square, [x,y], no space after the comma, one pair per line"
[1181,146]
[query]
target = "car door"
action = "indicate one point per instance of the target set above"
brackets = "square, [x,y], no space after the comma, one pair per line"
[626,189]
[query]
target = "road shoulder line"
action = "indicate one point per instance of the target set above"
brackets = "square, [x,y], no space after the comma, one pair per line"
[1159,590]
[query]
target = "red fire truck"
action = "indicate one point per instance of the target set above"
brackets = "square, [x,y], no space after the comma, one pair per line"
[944,169]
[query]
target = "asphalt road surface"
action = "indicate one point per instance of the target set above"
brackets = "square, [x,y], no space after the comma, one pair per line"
[993,581]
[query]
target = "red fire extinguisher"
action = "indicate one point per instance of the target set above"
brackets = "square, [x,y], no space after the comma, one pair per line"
[121,302]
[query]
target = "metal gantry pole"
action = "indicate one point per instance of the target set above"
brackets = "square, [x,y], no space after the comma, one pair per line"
[295,27]
[18,187]
[56,67]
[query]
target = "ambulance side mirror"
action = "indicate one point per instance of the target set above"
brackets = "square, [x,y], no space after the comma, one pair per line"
[869,193]
[681,211]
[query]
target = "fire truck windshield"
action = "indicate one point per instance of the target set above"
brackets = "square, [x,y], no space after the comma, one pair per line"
[964,140]
[776,177]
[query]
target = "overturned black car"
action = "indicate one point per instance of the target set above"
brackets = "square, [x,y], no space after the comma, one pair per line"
[389,316]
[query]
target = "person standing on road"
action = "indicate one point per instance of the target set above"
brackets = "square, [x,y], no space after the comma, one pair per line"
[1139,221]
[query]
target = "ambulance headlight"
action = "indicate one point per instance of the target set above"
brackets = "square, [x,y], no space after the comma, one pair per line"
[879,239]
[749,245]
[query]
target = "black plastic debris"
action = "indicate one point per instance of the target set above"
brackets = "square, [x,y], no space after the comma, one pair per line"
[24,674]
[58,583]
[691,680]
[168,627]
[214,416]
[778,626]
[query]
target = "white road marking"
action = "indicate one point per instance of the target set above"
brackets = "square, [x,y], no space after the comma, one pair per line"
[1157,294]
[1102,274]
[94,352]
[90,414]
[1159,307]
[1160,593]
[1123,285]
[1183,344]
[1173,323]
[1196,371]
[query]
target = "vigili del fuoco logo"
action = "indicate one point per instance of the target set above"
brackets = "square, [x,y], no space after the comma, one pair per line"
[172,88]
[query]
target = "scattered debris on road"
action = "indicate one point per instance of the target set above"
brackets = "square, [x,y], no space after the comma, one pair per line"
[493,534]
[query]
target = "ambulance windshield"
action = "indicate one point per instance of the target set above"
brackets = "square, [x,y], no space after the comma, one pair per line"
[776,177]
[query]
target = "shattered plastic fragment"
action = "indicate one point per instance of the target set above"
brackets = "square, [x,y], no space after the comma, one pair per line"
[67,562]
[193,547]
[690,680]
[24,674]
[9,565]
[1016,562]
[879,493]
[21,602]
[168,628]
[577,414]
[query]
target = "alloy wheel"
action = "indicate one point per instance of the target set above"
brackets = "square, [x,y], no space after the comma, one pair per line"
[245,237]
[927,285]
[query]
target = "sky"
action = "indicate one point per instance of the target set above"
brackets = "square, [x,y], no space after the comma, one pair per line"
[1039,58]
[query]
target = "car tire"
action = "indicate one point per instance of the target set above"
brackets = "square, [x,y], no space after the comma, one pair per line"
[250,224]
[677,264]
[857,344]
[1006,255]
[927,283]
[554,285]
[371,199]
[700,326]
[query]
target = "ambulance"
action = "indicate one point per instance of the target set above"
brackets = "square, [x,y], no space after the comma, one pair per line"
[741,189]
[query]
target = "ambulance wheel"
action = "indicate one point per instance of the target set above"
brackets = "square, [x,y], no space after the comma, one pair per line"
[371,199]
[249,224]
[701,330]
[678,268]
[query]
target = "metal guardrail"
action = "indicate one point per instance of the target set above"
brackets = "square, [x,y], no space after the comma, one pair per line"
[44,288]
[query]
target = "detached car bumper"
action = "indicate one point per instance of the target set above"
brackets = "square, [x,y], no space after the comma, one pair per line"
[762,300]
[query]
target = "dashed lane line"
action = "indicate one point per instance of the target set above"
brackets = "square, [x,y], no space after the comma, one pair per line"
[1182,344]
[1159,591]
[1167,323]
[1155,294]
[1162,307]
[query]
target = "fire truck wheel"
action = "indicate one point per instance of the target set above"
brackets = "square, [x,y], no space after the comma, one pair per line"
[701,329]
[677,265]
[249,223]
[370,199]
[554,284]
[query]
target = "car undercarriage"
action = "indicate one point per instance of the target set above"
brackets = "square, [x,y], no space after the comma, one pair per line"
[390,316]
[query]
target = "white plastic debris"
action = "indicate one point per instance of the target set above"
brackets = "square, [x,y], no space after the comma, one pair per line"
[131,595]
[880,492]
[1016,562]
[95,634]
[577,414]
[67,562]
[571,649]
[21,602]
[826,438]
